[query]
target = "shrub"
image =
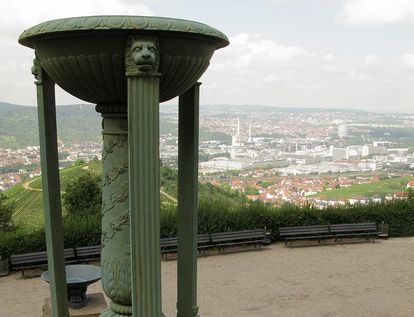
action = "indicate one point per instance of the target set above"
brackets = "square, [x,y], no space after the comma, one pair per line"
[82,230]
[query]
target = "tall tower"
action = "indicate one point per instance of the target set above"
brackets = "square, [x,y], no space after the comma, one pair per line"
[238,125]
[250,133]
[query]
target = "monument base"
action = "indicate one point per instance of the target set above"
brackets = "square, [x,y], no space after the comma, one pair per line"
[96,304]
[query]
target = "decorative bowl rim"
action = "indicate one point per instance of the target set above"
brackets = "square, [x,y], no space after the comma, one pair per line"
[124,23]
[95,269]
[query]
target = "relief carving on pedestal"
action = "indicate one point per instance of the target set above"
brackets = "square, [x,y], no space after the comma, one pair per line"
[116,279]
[114,226]
[120,141]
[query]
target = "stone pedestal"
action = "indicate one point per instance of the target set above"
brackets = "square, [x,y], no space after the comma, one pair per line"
[96,304]
[126,65]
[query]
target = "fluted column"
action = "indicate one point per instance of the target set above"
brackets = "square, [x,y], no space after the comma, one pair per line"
[116,260]
[141,61]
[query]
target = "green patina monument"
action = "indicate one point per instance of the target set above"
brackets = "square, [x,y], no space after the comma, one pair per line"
[126,65]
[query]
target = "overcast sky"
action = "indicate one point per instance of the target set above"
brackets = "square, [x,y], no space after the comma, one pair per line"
[302,53]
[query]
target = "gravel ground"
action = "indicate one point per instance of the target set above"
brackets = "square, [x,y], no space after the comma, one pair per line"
[358,279]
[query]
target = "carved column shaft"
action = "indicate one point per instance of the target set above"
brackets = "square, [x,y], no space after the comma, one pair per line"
[116,269]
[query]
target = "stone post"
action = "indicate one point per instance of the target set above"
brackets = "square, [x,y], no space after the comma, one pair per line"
[188,123]
[46,106]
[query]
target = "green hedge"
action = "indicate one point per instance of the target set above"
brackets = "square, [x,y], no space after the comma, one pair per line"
[78,231]
[216,216]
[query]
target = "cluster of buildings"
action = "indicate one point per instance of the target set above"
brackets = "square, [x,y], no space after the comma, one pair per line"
[302,148]
[303,156]
[295,190]
[17,165]
[306,151]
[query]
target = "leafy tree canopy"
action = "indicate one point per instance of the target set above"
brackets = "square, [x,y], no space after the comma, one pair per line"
[83,195]
[6,212]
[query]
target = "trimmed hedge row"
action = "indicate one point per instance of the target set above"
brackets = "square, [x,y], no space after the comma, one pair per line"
[398,214]
[78,231]
[214,216]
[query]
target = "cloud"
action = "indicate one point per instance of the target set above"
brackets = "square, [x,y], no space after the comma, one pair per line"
[256,70]
[372,60]
[377,12]
[329,57]
[252,50]
[408,60]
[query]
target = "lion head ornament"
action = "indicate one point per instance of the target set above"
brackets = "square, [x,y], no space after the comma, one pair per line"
[142,56]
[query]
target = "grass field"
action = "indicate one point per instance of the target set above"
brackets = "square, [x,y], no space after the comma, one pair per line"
[69,173]
[382,187]
[28,207]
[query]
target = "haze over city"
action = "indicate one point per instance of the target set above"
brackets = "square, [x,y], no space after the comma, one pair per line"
[320,53]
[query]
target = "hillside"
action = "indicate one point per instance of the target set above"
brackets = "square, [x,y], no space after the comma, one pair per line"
[28,196]
[382,187]
[19,127]
[76,124]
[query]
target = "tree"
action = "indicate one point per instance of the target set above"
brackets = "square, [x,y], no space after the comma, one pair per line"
[83,195]
[6,212]
[250,190]
[78,162]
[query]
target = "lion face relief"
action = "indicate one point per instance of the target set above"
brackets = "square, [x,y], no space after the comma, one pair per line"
[144,54]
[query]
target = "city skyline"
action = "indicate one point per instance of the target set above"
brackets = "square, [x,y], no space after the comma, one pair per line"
[320,53]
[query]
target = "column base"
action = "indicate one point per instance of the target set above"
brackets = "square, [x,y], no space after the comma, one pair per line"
[110,313]
[117,310]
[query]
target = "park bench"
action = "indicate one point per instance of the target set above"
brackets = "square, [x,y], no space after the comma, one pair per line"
[87,254]
[316,232]
[204,242]
[237,238]
[170,245]
[350,230]
[220,240]
[33,260]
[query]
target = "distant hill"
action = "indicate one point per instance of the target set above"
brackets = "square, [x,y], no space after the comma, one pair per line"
[19,126]
[81,123]
[76,124]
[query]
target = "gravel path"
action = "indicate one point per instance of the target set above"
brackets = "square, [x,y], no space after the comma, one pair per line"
[352,280]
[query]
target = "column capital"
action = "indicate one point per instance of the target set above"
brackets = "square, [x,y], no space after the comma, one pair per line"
[114,109]
[142,56]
